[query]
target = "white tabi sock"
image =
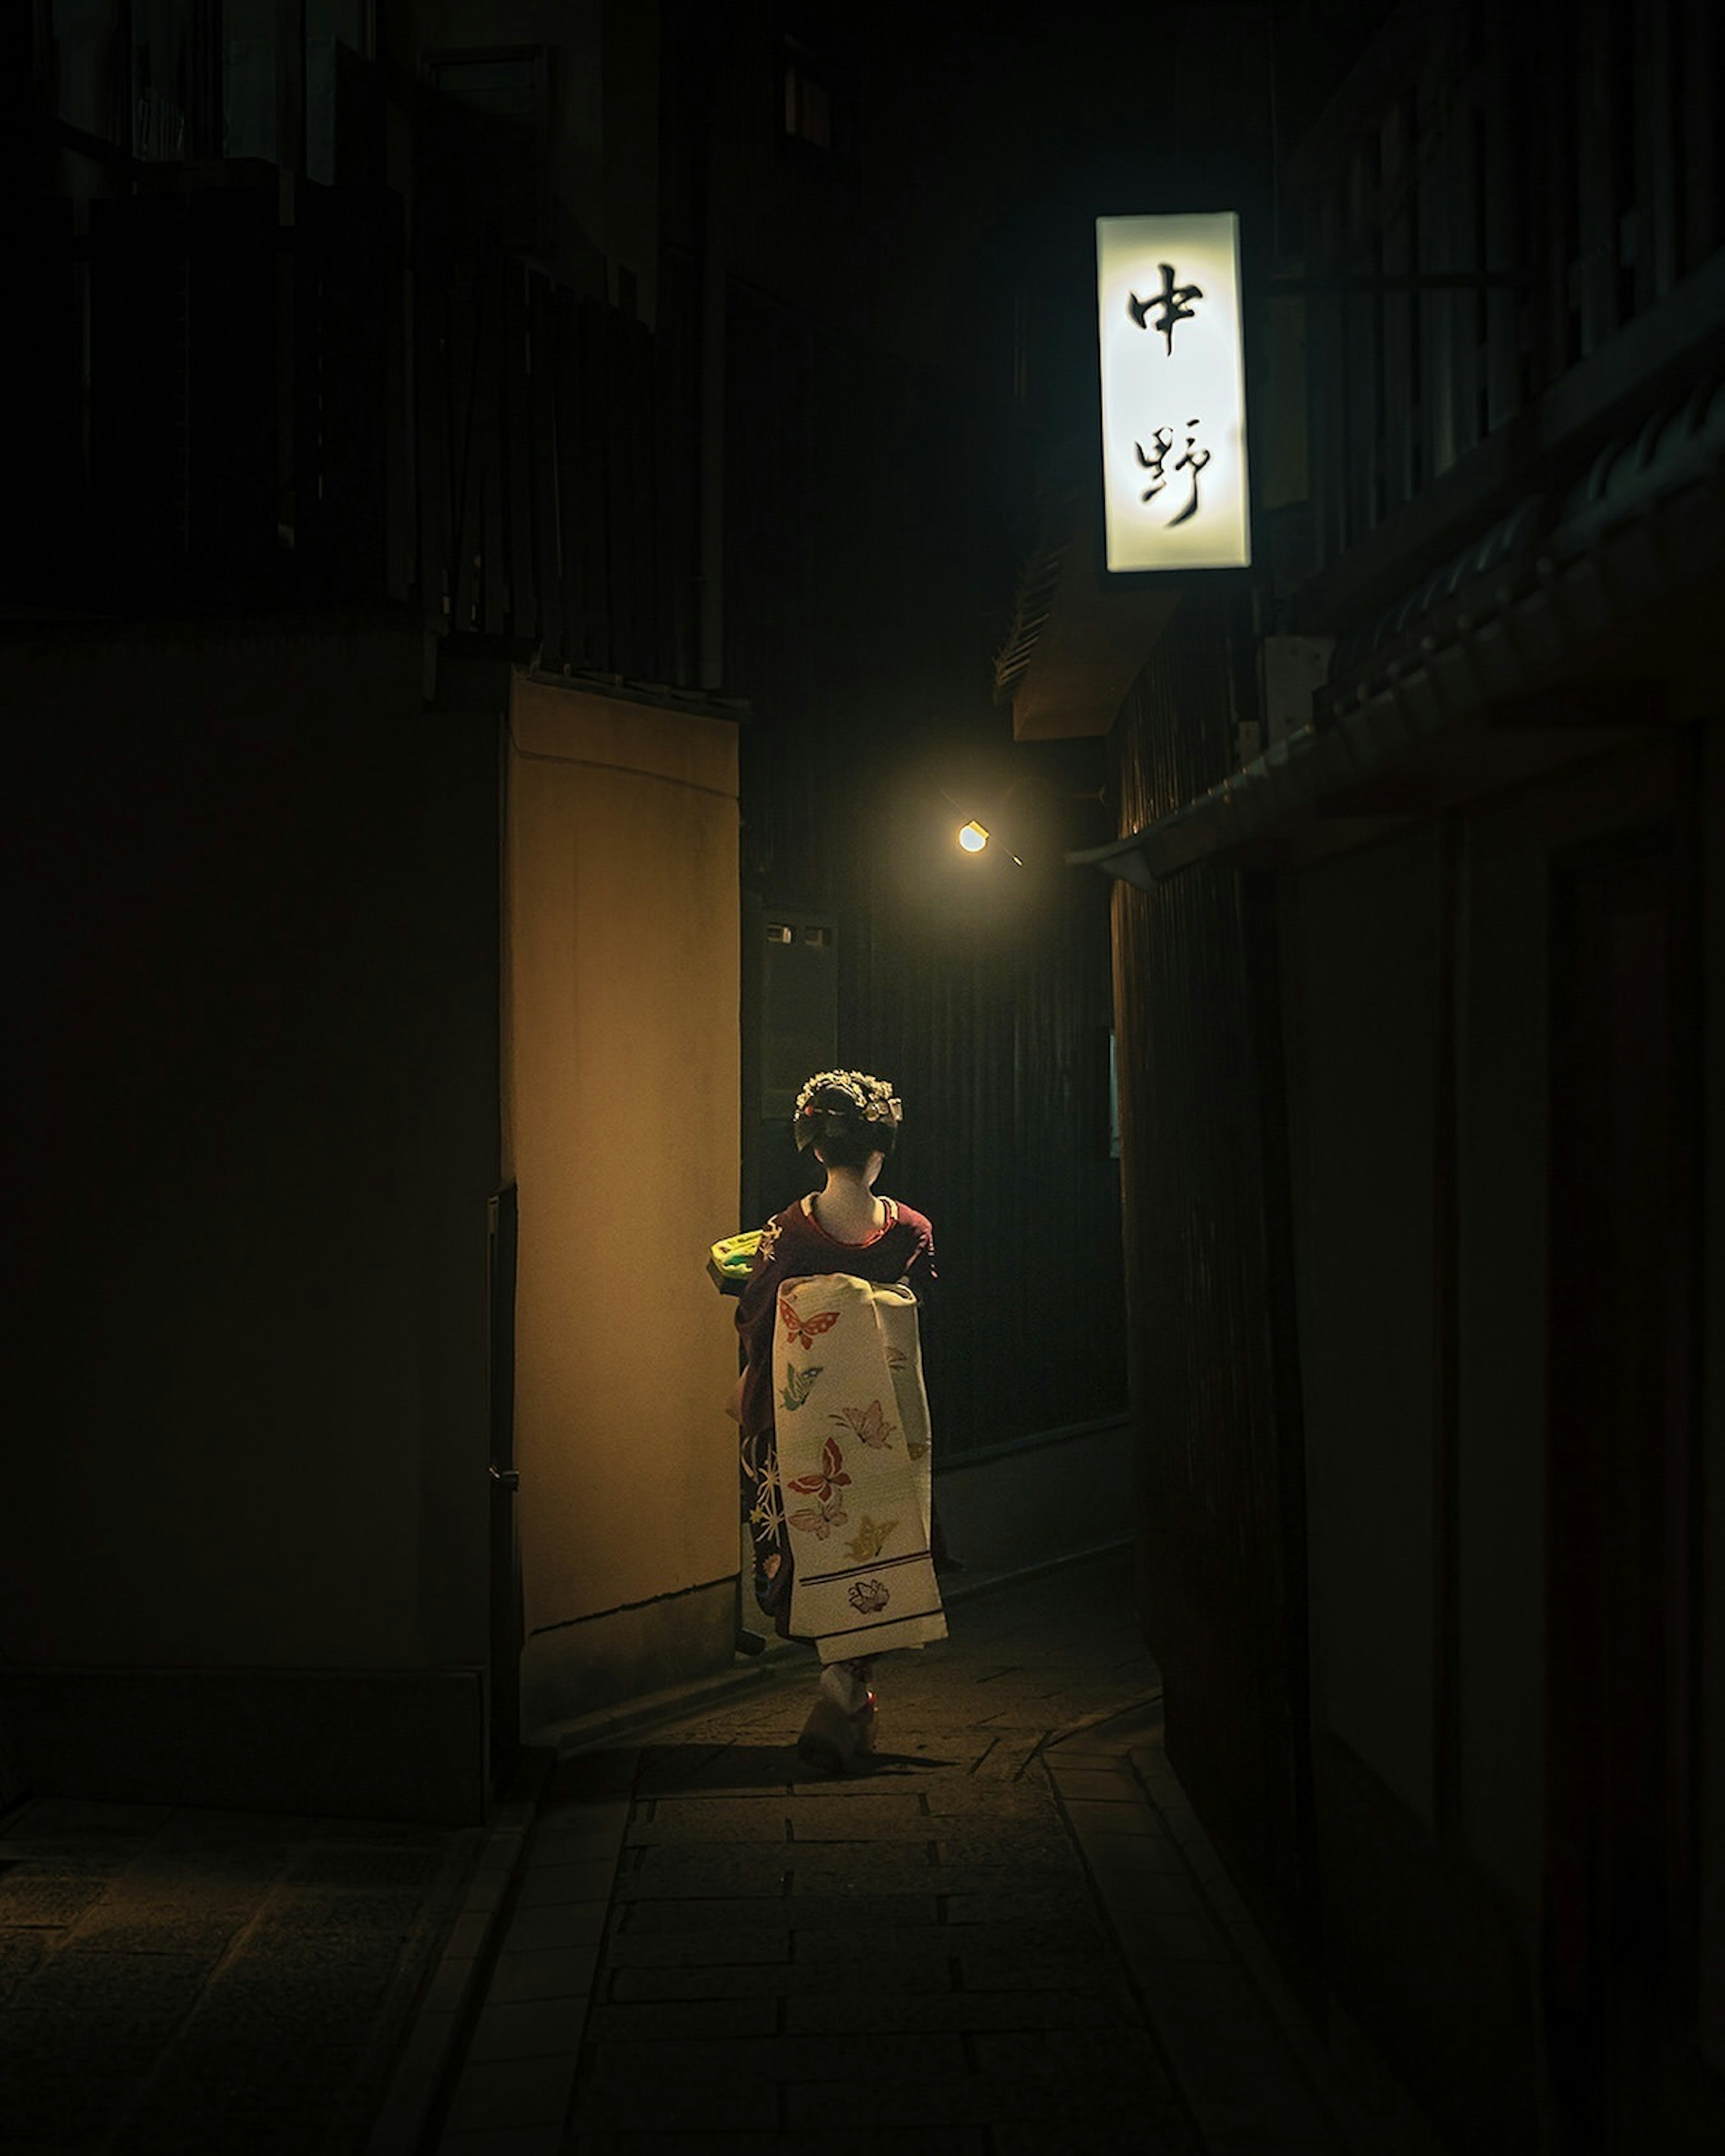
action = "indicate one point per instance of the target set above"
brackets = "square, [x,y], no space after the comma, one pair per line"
[847,1692]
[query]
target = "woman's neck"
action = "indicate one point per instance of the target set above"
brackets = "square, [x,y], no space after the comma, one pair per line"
[848,1207]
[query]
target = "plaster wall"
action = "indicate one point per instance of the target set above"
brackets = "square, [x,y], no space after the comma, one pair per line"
[621,1116]
[255,985]
[1036,1501]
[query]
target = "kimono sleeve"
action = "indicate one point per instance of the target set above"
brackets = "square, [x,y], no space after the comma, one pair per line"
[919,1270]
[758,1305]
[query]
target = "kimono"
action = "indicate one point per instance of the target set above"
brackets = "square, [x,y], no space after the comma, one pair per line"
[835,1434]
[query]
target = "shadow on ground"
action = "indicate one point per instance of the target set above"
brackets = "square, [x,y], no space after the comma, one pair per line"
[676,1769]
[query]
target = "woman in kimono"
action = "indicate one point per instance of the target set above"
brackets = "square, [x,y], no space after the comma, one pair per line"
[833,1418]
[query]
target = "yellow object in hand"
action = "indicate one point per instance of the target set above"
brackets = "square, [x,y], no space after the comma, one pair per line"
[729,1260]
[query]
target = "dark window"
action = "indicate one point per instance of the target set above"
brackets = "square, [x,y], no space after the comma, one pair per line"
[808,98]
[817,116]
[343,101]
[263,112]
[93,68]
[485,143]
[143,78]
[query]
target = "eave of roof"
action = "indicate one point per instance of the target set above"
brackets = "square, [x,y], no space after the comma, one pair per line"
[1531,648]
[1077,638]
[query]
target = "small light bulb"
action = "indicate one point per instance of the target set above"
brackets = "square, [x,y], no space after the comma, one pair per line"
[973,838]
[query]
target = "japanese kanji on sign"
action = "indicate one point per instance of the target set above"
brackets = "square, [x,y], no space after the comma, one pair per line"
[1173,392]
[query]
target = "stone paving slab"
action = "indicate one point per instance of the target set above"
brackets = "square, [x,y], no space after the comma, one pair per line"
[1092,2006]
[542,1972]
[902,2141]
[913,1974]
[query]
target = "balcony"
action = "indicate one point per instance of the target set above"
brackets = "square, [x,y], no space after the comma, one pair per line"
[245,396]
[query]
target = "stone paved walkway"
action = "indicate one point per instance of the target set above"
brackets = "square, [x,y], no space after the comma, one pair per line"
[995,1942]
[180,1983]
[1009,1937]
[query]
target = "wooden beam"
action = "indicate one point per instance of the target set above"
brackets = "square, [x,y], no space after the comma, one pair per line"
[1625,706]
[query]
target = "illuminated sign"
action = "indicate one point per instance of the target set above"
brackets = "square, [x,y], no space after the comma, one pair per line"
[1173,392]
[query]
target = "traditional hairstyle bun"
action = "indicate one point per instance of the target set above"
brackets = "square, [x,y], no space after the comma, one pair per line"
[849,1115]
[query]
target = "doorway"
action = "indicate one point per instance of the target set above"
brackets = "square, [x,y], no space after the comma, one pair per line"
[1617,1944]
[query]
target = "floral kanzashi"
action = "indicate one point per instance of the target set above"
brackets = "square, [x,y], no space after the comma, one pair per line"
[796,1385]
[870,1424]
[831,1476]
[868,1596]
[804,1331]
[869,1539]
[819,1520]
[874,1096]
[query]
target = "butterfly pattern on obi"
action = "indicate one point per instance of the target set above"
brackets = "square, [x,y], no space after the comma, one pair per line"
[820,1520]
[805,1331]
[870,1424]
[871,1536]
[831,1477]
[796,1385]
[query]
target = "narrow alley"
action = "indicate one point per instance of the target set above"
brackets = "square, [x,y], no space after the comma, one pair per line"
[1008,1937]
[1056,668]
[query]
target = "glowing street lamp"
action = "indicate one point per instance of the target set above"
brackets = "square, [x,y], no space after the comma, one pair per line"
[975,836]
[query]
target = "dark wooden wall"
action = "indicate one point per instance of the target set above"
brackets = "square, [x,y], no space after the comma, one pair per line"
[980,988]
[272,411]
[1509,190]
[993,1017]
[1220,1500]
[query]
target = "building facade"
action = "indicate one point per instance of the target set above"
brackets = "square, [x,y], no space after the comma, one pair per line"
[1418,953]
[488,565]
[378,835]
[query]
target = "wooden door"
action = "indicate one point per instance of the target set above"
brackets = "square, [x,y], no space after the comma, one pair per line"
[1617,1944]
